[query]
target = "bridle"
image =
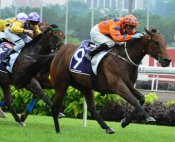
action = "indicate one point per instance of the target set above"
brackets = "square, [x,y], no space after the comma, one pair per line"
[151,45]
[129,60]
[55,41]
[146,49]
[153,54]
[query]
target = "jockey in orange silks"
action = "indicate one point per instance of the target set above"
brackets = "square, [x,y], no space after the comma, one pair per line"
[113,31]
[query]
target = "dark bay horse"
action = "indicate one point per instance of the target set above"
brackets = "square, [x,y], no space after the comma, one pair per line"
[43,76]
[30,61]
[117,73]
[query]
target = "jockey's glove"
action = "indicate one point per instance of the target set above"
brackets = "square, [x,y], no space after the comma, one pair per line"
[137,35]
[29,32]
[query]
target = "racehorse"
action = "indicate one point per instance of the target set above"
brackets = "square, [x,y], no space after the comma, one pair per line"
[117,73]
[43,76]
[29,62]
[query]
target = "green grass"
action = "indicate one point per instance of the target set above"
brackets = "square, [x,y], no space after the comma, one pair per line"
[41,129]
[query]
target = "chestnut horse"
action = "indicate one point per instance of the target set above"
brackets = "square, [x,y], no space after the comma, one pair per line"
[117,74]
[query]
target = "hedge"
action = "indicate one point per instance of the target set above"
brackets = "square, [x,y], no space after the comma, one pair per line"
[111,107]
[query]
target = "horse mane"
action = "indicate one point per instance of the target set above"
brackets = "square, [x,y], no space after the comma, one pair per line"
[35,39]
[155,30]
[132,41]
[53,25]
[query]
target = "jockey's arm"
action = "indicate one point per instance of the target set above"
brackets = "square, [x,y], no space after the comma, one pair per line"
[116,34]
[2,25]
[17,27]
[36,30]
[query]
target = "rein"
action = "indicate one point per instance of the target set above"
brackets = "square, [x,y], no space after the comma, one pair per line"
[129,57]
[127,60]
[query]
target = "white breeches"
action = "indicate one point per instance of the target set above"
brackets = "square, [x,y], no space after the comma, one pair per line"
[19,41]
[2,35]
[98,38]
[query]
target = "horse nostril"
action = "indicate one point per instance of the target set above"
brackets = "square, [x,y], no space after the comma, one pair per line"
[166,62]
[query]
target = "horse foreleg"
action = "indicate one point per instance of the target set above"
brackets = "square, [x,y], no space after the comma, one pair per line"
[59,95]
[8,102]
[126,92]
[91,107]
[138,95]
[133,115]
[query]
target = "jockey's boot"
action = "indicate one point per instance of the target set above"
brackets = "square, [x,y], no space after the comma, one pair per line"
[98,49]
[5,60]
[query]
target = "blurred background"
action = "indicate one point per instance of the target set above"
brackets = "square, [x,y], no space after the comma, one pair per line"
[76,17]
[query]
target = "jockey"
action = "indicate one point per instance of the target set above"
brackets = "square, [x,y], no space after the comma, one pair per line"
[19,30]
[117,30]
[3,24]
[33,22]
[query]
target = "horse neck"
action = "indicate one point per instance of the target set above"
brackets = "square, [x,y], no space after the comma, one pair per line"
[135,50]
[41,46]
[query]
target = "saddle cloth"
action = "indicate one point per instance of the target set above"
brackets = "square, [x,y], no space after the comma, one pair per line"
[79,64]
[4,48]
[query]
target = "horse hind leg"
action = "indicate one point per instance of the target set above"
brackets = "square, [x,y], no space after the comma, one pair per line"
[91,107]
[8,101]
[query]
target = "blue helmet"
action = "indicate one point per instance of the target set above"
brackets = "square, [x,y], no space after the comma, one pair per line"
[34,16]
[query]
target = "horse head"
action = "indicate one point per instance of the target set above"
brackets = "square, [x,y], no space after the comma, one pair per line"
[57,38]
[157,47]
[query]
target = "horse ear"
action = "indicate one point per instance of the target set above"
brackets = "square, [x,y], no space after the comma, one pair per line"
[47,29]
[148,31]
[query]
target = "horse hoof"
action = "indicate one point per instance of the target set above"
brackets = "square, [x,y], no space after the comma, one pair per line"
[58,132]
[61,115]
[124,123]
[150,120]
[22,124]
[3,115]
[110,131]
